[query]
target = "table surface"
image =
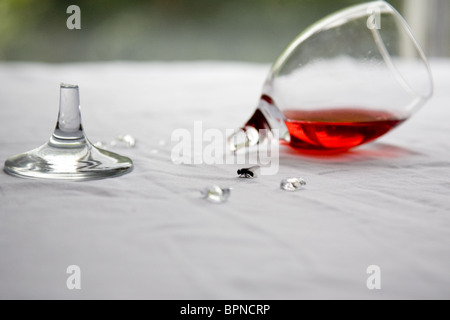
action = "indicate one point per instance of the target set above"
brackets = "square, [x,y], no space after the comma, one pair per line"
[149,234]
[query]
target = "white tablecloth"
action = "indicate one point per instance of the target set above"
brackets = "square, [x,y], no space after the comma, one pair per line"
[149,234]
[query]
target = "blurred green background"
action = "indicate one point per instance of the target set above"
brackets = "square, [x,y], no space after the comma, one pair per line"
[246,30]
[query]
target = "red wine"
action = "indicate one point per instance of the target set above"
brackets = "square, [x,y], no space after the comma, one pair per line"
[337,129]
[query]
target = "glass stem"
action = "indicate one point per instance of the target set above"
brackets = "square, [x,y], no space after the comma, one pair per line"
[68,127]
[254,132]
[265,124]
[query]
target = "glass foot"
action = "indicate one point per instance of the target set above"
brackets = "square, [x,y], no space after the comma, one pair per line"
[85,162]
[68,155]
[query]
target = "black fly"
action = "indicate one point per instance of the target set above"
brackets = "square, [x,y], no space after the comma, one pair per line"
[248,172]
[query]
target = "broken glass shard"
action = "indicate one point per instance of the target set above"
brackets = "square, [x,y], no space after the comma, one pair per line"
[292,184]
[216,194]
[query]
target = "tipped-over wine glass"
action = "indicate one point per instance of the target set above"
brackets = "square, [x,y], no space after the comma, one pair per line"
[68,155]
[344,81]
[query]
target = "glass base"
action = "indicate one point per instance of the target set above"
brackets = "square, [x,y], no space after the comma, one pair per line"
[63,160]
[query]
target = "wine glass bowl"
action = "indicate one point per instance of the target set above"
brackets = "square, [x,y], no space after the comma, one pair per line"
[345,81]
